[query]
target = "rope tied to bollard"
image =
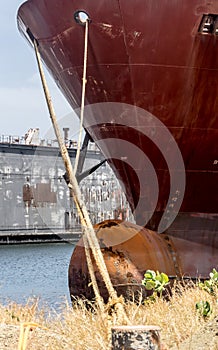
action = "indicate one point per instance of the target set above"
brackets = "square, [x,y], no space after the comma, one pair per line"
[131,337]
[91,241]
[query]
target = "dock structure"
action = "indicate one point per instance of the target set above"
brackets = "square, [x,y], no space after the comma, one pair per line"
[35,236]
[35,205]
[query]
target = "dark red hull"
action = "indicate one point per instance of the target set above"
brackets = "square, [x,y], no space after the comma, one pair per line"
[151,100]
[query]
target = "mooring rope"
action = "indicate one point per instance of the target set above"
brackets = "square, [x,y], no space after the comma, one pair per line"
[83,213]
[84,81]
[98,297]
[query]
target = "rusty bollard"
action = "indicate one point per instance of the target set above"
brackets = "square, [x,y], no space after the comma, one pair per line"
[136,338]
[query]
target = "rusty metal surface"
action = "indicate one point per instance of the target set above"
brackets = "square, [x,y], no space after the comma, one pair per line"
[39,194]
[129,250]
[195,259]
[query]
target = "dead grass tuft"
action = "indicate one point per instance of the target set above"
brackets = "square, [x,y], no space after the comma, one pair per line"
[81,328]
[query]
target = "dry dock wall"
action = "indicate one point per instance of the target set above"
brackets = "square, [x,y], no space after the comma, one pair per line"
[34,196]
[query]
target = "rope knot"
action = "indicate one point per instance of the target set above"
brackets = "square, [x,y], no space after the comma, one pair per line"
[112,303]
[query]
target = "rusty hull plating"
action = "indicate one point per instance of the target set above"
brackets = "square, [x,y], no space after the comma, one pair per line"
[129,250]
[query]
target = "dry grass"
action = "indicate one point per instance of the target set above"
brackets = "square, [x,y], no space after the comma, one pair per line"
[82,329]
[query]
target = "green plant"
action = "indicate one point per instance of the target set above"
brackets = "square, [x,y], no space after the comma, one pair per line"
[212,284]
[204,308]
[155,281]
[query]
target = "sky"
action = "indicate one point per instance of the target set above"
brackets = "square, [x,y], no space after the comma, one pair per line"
[22,102]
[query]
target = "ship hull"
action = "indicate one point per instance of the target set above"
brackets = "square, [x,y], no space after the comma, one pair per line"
[151,100]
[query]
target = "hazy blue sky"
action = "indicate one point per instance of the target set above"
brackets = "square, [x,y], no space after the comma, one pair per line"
[22,103]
